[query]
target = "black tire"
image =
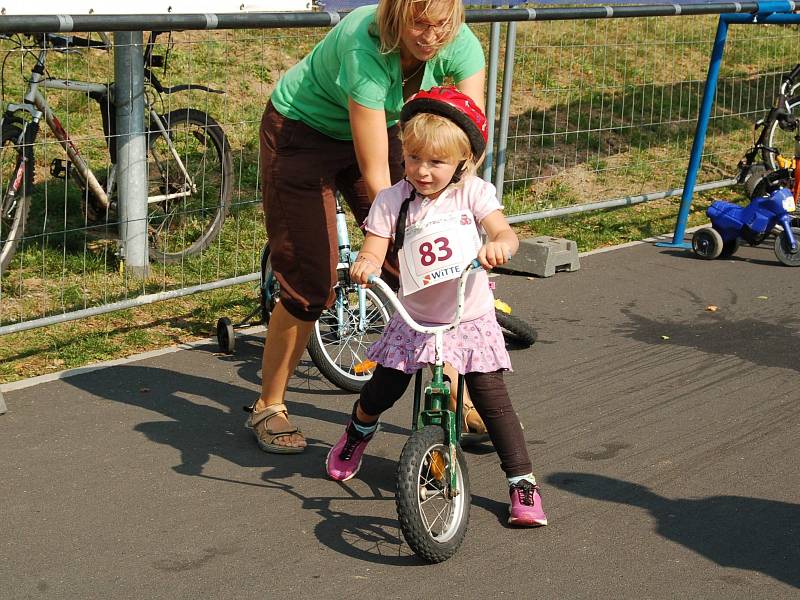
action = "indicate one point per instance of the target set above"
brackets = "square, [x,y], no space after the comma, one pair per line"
[515,330]
[730,247]
[419,485]
[16,183]
[341,358]
[226,337]
[761,182]
[269,289]
[707,243]
[183,226]
[784,251]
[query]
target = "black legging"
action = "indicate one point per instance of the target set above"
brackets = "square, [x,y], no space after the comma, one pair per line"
[490,396]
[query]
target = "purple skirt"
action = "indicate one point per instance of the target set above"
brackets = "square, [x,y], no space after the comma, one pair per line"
[475,346]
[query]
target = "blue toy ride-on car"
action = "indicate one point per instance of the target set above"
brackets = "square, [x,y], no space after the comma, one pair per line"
[731,223]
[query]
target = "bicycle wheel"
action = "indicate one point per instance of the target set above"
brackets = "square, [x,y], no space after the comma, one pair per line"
[781,141]
[184,215]
[515,330]
[783,249]
[16,182]
[433,523]
[338,349]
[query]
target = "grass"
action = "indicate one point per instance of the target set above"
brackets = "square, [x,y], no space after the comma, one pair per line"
[600,109]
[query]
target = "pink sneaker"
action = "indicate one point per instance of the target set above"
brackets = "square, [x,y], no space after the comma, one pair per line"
[344,459]
[526,505]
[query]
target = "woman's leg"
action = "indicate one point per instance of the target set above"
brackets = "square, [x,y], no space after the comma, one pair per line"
[286,340]
[472,419]
[300,218]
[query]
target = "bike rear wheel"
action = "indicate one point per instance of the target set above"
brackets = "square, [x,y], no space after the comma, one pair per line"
[515,330]
[432,521]
[193,210]
[339,348]
[16,182]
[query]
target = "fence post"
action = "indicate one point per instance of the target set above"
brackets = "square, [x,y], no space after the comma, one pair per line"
[491,97]
[505,105]
[131,150]
[699,141]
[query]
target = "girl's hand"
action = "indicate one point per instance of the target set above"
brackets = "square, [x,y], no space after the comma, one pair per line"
[494,254]
[362,269]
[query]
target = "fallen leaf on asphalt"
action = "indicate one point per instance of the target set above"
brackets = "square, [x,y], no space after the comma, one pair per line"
[712,308]
[664,337]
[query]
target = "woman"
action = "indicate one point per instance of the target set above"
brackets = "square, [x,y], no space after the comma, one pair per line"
[332,124]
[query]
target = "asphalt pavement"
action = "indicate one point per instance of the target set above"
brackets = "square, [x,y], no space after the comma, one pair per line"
[661,407]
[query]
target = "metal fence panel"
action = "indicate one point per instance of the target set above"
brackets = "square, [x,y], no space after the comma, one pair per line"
[599,108]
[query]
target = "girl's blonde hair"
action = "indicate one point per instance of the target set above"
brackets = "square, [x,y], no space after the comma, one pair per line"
[394,15]
[430,134]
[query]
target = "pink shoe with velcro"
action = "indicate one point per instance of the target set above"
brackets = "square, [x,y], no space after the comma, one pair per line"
[526,505]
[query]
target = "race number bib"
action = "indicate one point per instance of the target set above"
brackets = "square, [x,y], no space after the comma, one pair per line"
[437,250]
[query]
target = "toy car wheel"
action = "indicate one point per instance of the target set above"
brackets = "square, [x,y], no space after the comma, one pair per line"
[225,335]
[783,249]
[729,248]
[707,243]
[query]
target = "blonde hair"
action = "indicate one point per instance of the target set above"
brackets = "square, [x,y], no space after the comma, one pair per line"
[427,133]
[394,15]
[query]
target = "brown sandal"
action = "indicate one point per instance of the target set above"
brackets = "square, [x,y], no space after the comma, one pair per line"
[257,421]
[473,431]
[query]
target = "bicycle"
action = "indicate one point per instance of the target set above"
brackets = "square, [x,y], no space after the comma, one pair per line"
[341,336]
[775,170]
[433,492]
[189,166]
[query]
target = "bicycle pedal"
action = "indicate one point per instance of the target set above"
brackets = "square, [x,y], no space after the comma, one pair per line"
[60,169]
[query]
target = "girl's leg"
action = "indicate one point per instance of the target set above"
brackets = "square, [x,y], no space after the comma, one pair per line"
[380,393]
[492,402]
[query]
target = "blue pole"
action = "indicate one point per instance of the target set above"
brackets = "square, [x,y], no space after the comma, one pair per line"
[700,136]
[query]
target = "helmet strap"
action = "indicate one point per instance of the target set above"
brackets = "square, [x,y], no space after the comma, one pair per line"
[402,218]
[460,170]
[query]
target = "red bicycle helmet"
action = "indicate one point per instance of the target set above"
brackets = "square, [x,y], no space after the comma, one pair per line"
[448,102]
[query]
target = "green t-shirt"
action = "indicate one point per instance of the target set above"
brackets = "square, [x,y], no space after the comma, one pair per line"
[348,63]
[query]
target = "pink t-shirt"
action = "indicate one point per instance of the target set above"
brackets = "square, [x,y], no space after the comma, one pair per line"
[437,303]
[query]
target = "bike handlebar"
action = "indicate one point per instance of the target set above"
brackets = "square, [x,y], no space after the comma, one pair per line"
[462,282]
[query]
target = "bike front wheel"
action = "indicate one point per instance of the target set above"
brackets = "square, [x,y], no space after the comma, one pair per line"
[780,141]
[338,346]
[432,518]
[190,177]
[16,182]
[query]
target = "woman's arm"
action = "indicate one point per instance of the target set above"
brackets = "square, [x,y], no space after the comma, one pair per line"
[371,144]
[501,243]
[369,260]
[474,86]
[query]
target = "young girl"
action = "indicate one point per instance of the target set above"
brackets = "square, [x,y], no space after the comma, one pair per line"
[433,216]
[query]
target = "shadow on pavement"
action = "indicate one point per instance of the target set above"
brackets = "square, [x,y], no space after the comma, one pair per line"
[733,531]
[197,430]
[758,342]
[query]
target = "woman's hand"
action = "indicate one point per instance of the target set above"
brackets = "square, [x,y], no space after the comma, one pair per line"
[494,254]
[362,269]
